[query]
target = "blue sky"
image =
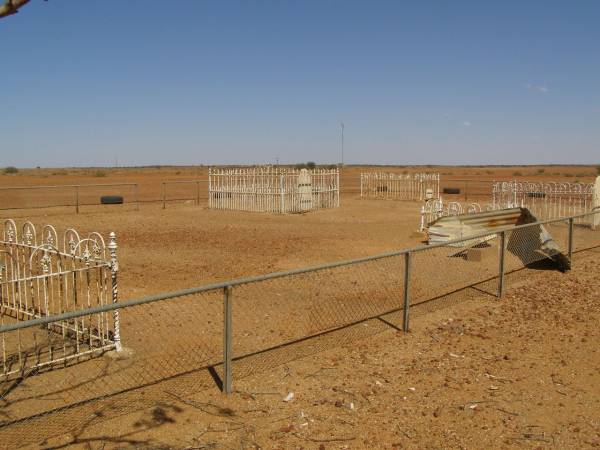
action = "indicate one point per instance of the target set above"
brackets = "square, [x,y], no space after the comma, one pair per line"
[198,82]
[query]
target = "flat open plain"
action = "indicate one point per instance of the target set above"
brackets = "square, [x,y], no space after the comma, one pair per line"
[474,372]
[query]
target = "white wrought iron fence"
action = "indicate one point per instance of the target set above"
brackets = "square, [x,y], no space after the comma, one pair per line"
[43,276]
[546,200]
[399,186]
[435,208]
[273,189]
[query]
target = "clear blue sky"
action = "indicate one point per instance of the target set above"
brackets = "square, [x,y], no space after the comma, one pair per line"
[198,82]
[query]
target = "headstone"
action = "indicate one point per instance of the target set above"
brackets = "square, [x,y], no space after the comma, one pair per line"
[596,203]
[305,190]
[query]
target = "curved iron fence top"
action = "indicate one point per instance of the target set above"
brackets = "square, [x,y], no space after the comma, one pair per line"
[269,276]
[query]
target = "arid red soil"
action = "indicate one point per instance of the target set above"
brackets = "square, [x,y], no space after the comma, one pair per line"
[474,372]
[522,372]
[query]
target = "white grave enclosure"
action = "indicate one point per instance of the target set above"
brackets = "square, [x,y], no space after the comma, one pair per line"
[395,186]
[547,200]
[273,189]
[43,274]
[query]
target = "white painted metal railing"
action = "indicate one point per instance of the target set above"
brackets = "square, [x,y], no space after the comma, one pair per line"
[273,189]
[399,186]
[42,277]
[435,208]
[546,200]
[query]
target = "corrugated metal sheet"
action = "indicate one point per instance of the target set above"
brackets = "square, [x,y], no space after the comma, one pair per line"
[448,228]
[528,244]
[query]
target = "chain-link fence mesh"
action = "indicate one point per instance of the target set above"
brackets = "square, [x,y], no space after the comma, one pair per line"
[172,342]
[279,315]
[440,271]
[174,346]
[586,237]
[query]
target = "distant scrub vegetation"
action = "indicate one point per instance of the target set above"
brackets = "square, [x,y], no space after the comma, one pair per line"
[10,170]
[313,165]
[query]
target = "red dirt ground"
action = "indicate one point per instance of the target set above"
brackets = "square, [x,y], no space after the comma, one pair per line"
[518,373]
[523,372]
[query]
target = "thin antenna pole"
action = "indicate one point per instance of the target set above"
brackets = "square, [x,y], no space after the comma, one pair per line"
[342,128]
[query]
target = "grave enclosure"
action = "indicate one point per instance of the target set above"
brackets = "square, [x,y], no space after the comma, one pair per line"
[42,275]
[548,200]
[382,185]
[545,200]
[273,189]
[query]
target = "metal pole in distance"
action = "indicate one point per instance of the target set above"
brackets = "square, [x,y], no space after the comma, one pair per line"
[227,337]
[406,291]
[137,197]
[77,199]
[342,127]
[164,194]
[570,245]
[501,251]
[197,193]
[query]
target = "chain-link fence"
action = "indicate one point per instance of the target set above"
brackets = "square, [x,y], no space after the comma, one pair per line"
[184,341]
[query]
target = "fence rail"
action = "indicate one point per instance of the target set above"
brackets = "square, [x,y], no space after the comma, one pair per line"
[183,191]
[65,195]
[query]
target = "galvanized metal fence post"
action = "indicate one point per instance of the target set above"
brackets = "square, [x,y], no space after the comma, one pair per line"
[501,251]
[570,244]
[197,193]
[405,316]
[77,199]
[227,336]
[137,196]
[164,194]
